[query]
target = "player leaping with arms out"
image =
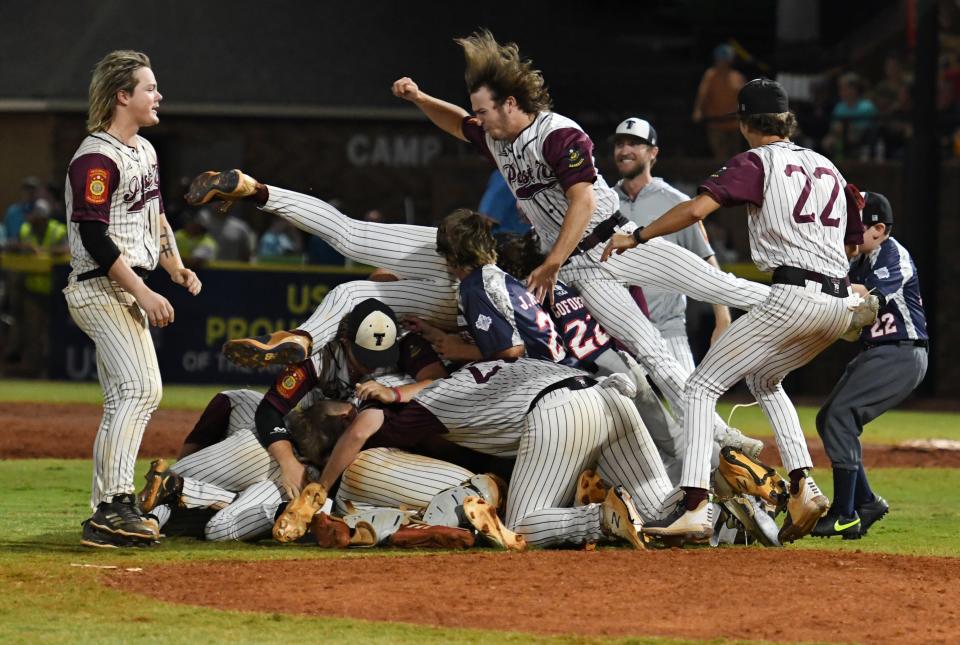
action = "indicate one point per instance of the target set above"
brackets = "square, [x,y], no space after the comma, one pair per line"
[801,213]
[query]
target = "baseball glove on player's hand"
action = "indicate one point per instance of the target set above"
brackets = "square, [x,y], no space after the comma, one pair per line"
[864,314]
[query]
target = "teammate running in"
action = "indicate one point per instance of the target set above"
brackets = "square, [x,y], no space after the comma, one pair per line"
[118,233]
[801,214]
[547,160]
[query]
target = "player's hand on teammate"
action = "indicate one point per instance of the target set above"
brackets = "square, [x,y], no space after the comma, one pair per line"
[187,279]
[158,309]
[422,327]
[405,88]
[542,280]
[620,242]
[371,390]
[293,477]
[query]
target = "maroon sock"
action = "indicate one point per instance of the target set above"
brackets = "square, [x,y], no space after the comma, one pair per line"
[262,194]
[694,497]
[795,477]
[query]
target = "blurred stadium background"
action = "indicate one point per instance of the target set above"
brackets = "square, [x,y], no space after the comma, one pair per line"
[297,94]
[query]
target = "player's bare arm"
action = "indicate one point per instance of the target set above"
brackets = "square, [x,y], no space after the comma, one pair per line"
[292,472]
[452,347]
[446,116]
[583,202]
[721,313]
[158,309]
[350,444]
[171,262]
[679,217]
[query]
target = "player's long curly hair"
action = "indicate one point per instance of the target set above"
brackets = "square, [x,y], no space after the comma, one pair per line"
[315,432]
[500,69]
[464,238]
[783,124]
[114,73]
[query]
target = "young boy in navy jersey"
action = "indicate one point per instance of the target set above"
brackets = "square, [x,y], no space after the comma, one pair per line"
[891,365]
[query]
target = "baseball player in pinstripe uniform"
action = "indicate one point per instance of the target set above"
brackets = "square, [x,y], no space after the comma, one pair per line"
[643,198]
[891,366]
[547,160]
[226,414]
[798,206]
[118,233]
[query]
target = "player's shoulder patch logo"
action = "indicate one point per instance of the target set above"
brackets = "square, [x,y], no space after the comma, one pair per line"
[483,322]
[96,189]
[883,273]
[290,380]
[575,158]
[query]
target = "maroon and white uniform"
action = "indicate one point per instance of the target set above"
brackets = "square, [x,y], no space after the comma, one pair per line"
[118,185]
[798,206]
[552,154]
[556,421]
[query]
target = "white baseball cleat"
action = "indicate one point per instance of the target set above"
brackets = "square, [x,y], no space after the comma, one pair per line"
[803,511]
[620,517]
[696,524]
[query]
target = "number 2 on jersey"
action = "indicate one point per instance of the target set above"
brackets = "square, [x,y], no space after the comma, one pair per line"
[805,218]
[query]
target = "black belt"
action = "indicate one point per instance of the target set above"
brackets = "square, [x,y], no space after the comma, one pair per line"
[100,272]
[837,287]
[902,343]
[573,383]
[600,233]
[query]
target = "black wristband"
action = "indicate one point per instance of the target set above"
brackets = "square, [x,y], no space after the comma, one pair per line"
[636,236]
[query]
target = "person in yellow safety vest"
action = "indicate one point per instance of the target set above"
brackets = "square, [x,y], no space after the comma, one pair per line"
[40,234]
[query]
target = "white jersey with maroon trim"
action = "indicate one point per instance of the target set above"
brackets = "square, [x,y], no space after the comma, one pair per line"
[118,185]
[550,155]
[797,206]
[483,405]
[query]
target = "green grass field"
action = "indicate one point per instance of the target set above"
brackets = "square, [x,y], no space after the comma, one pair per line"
[48,599]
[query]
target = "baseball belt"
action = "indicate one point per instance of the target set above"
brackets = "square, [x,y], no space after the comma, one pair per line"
[837,287]
[600,234]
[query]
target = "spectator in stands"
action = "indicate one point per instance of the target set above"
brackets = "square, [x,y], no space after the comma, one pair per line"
[717,101]
[886,94]
[280,243]
[39,233]
[197,247]
[499,204]
[236,241]
[853,123]
[16,213]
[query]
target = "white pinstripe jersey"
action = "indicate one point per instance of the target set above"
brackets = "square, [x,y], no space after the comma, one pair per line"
[113,183]
[483,405]
[797,206]
[549,156]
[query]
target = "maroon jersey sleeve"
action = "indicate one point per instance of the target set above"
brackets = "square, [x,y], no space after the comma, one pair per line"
[415,354]
[474,133]
[739,182]
[569,152]
[291,385]
[93,181]
[405,427]
[854,231]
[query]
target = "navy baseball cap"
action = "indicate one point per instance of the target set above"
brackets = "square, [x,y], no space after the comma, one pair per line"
[876,209]
[638,128]
[372,334]
[762,96]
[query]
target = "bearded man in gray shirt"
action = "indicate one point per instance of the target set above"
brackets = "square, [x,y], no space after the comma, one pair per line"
[644,198]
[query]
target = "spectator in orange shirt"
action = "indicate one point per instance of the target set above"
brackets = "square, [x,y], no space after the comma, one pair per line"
[717,101]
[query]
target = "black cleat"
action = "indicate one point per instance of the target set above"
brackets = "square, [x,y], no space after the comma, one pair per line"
[831,524]
[121,518]
[872,512]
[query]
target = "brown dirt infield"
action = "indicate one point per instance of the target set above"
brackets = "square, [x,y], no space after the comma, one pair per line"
[743,593]
[64,431]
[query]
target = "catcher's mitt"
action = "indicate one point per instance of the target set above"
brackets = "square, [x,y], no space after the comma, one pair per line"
[864,314]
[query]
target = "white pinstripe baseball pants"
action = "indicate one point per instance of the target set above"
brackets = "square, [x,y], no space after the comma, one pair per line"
[389,477]
[129,375]
[785,332]
[566,432]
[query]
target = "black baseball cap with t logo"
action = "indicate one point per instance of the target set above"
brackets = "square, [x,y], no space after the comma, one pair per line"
[372,334]
[876,209]
[762,96]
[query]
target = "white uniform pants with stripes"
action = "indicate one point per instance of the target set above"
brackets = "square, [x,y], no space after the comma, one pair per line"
[129,374]
[236,475]
[389,477]
[663,264]
[566,432]
[426,289]
[786,332]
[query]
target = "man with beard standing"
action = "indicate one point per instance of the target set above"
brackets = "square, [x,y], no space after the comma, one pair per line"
[644,198]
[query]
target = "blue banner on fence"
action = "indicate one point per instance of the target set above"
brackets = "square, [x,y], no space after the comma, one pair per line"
[234,303]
